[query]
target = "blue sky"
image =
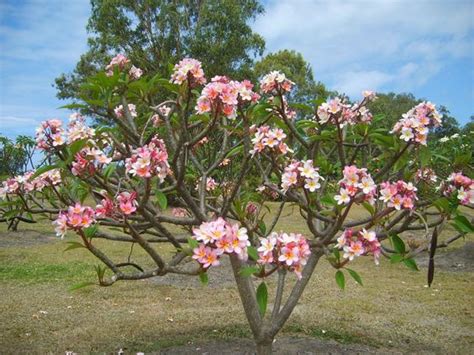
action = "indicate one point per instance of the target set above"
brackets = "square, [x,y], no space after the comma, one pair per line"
[423,47]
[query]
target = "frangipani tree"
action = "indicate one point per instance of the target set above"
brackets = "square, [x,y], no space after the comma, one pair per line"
[218,151]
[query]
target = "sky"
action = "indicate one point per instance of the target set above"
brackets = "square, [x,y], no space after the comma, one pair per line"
[417,46]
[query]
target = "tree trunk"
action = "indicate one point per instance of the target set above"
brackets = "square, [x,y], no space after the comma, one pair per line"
[264,347]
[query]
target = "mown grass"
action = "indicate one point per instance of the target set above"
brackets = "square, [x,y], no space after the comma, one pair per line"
[392,309]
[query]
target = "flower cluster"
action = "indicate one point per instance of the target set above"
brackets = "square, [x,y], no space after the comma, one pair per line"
[426,174]
[179,212]
[399,195]
[50,135]
[337,111]
[121,62]
[219,237]
[288,112]
[222,95]
[24,183]
[356,181]
[369,95]
[135,73]
[463,185]
[211,184]
[49,178]
[119,111]
[164,111]
[265,190]
[359,243]
[188,68]
[126,204]
[76,217]
[149,160]
[88,160]
[414,125]
[274,82]
[270,140]
[78,129]
[301,173]
[287,250]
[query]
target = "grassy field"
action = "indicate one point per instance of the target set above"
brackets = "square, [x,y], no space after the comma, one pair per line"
[39,314]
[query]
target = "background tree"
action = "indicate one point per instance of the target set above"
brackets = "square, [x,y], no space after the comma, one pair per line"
[294,66]
[450,124]
[16,156]
[157,33]
[469,127]
[392,106]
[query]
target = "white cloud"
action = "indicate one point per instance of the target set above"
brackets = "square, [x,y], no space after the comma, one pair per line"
[352,83]
[39,39]
[44,31]
[378,43]
[8,122]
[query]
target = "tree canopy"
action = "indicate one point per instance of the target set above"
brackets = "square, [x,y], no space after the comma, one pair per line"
[16,156]
[157,33]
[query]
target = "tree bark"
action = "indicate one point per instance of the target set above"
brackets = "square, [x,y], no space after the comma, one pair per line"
[247,297]
[264,347]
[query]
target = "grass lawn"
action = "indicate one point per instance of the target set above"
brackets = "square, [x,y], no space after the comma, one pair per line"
[39,314]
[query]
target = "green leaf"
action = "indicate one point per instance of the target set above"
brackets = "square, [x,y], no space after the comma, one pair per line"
[396,258]
[100,271]
[382,139]
[340,279]
[355,276]
[10,203]
[398,244]
[235,151]
[73,106]
[166,84]
[80,190]
[411,264]
[89,232]
[252,252]
[109,170]
[425,155]
[443,205]
[262,227]
[306,124]
[162,200]
[442,157]
[328,200]
[302,107]
[248,270]
[81,285]
[462,224]
[462,160]
[369,208]
[262,298]
[74,245]
[10,214]
[75,147]
[378,117]
[193,243]
[204,278]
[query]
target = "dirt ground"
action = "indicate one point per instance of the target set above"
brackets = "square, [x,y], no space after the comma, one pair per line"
[25,238]
[282,346]
[461,259]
